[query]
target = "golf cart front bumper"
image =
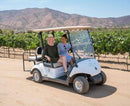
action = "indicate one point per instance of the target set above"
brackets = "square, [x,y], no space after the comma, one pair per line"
[95,79]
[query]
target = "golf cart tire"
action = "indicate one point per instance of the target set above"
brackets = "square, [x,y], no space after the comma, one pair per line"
[104,78]
[84,84]
[37,76]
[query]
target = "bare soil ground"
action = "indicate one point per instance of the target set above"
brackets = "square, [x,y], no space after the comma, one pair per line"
[18,89]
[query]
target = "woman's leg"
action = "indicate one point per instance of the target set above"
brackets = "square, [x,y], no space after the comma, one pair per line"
[63,61]
[70,59]
[71,62]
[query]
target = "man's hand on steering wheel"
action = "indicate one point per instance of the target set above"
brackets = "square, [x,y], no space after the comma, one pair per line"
[48,58]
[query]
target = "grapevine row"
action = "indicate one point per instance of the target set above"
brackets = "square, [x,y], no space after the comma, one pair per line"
[105,41]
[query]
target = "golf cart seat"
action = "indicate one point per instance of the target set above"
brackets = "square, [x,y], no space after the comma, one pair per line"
[39,50]
[37,56]
[55,65]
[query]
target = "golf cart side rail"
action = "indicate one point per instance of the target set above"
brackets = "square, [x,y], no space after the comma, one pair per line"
[61,28]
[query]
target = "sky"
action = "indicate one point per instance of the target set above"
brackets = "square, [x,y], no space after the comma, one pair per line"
[91,8]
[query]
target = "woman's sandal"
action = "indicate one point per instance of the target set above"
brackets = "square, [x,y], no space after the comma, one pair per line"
[67,73]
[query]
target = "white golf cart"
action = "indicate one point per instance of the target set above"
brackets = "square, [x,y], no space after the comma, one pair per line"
[86,69]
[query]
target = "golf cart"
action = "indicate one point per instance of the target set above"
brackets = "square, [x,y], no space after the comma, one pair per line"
[86,69]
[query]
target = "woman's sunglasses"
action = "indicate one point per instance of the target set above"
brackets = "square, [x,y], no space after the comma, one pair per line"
[64,47]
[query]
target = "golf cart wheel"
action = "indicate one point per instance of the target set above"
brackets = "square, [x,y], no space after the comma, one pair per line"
[81,84]
[37,76]
[104,78]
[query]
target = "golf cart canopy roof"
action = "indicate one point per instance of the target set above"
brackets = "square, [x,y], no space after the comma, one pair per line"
[62,28]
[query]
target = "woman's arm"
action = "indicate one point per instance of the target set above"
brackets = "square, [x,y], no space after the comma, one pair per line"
[58,47]
[69,46]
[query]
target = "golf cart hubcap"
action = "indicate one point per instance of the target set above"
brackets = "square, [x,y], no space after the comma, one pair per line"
[36,77]
[78,85]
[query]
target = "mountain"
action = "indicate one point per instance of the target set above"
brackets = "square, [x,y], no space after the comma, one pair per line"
[32,18]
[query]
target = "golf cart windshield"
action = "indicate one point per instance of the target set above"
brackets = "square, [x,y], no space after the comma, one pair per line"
[82,44]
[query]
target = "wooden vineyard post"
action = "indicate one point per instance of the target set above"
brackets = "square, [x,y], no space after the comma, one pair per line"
[14,52]
[8,53]
[127,63]
[4,51]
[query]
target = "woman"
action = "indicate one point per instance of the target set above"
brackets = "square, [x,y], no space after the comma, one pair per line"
[63,48]
[51,53]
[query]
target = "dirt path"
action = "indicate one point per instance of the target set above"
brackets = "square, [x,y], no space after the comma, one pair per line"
[18,89]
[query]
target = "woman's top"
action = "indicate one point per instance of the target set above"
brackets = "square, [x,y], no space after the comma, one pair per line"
[63,50]
[52,52]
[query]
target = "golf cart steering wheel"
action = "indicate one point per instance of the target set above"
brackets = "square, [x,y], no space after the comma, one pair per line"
[45,59]
[70,50]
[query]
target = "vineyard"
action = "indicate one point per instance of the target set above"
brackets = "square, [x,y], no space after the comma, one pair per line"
[114,41]
[111,41]
[105,41]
